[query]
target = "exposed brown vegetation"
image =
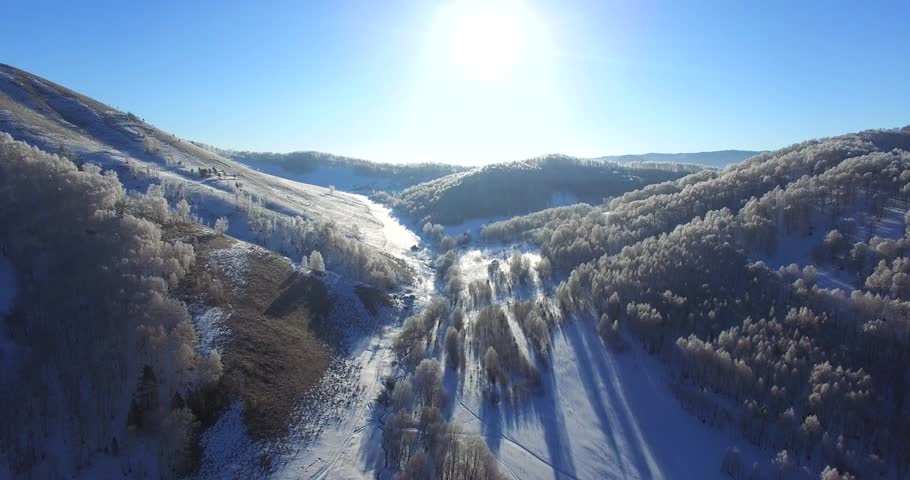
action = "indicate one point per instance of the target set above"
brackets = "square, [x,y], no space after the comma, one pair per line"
[278,347]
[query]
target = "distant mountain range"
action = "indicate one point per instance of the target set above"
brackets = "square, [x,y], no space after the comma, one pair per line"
[718,159]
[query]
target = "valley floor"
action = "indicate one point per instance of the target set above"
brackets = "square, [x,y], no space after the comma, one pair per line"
[600,414]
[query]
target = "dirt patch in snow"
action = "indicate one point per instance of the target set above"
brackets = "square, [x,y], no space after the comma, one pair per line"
[271,327]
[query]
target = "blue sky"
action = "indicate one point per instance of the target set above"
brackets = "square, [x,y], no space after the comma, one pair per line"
[406,81]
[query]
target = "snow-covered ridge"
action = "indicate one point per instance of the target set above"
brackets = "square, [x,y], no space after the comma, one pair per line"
[59,121]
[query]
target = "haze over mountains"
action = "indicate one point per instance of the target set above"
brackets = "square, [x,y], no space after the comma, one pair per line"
[452,195]
[169,309]
[322,168]
[718,159]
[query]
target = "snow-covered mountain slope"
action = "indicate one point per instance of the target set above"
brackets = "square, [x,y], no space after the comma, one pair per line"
[798,246]
[333,432]
[348,174]
[284,336]
[62,121]
[518,188]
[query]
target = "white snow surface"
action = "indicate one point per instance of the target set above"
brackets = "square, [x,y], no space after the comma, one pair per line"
[393,237]
[603,415]
[340,176]
[233,262]
[211,327]
[350,447]
[227,449]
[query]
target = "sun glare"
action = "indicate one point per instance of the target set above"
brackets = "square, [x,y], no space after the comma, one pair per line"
[487,41]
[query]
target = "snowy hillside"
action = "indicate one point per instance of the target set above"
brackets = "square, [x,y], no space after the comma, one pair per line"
[230,305]
[167,311]
[517,188]
[348,174]
[259,207]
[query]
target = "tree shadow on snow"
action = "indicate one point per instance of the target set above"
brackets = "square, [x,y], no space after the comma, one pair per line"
[604,387]
[542,410]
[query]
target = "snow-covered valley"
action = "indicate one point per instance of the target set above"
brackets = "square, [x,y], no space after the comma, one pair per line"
[213,319]
[335,443]
[597,413]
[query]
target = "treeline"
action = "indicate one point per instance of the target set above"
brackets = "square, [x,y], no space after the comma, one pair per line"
[670,166]
[405,174]
[520,187]
[96,352]
[813,374]
[570,238]
[716,159]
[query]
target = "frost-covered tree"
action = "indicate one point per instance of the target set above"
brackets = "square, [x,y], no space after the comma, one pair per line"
[544,268]
[458,319]
[304,263]
[183,209]
[831,473]
[221,225]
[111,275]
[428,383]
[317,264]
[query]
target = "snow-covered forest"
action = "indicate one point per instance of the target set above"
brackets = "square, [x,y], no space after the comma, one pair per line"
[94,345]
[526,186]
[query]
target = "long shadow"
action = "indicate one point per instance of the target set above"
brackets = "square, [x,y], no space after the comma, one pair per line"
[544,410]
[492,425]
[627,423]
[452,384]
[609,425]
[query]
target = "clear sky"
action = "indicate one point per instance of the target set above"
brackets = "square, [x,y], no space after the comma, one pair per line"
[471,83]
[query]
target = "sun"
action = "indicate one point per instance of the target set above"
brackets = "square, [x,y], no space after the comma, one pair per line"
[487,41]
